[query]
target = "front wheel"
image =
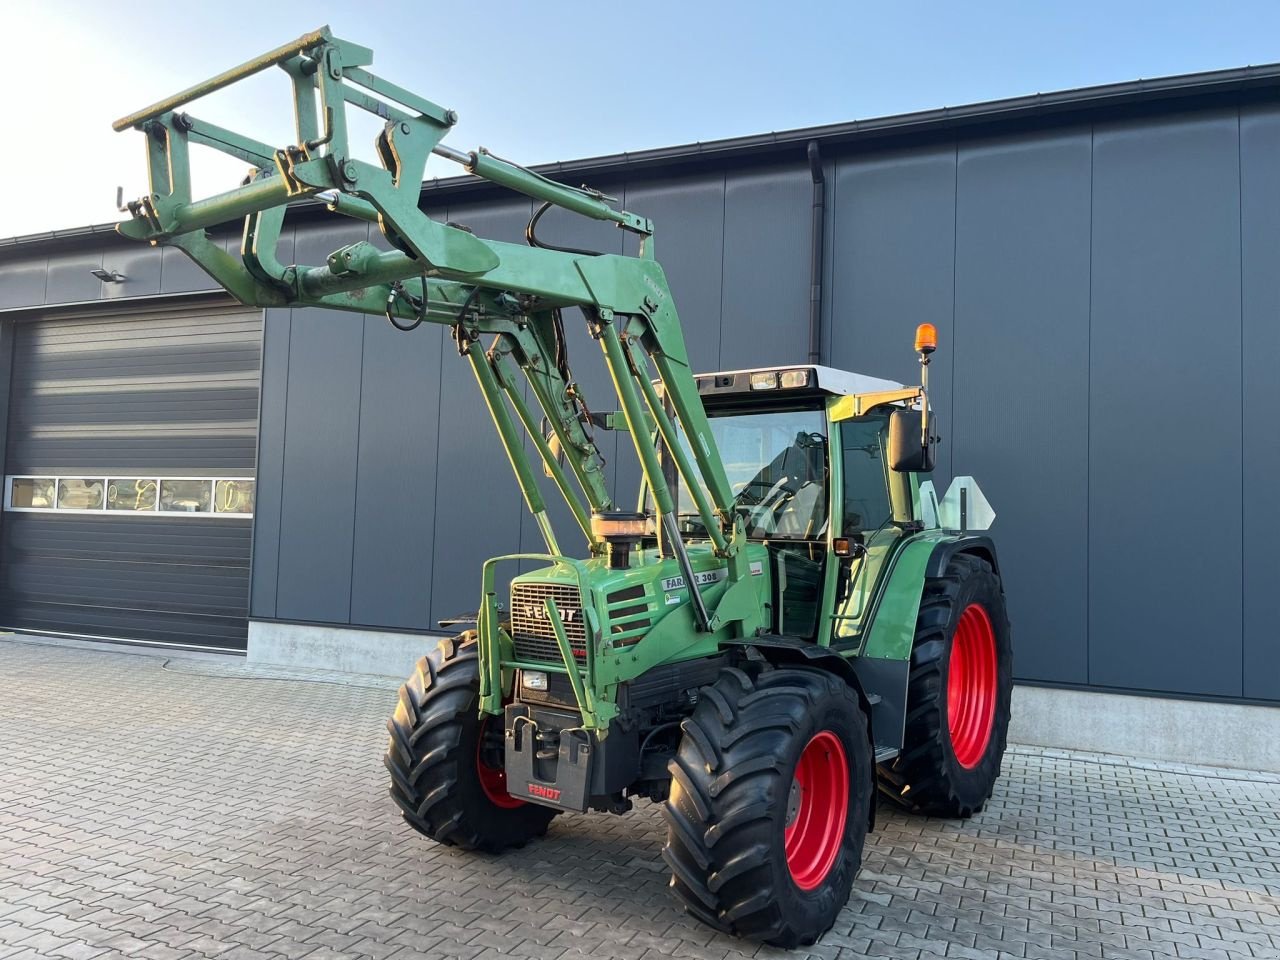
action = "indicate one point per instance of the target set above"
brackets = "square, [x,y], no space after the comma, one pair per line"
[770,803]
[446,761]
[957,696]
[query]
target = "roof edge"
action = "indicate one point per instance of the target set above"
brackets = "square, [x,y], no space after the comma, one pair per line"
[1185,86]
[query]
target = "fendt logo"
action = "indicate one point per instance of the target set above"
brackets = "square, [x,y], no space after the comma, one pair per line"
[537,611]
[546,793]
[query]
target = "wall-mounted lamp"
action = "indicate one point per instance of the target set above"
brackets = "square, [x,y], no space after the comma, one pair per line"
[109,276]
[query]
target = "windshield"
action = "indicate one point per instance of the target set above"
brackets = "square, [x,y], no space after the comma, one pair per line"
[777,468]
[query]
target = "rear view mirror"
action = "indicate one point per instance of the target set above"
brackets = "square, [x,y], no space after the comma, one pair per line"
[908,453]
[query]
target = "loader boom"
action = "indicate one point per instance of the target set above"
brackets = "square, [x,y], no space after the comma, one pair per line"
[439,273]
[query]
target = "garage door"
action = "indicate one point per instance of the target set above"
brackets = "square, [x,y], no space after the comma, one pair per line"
[129,475]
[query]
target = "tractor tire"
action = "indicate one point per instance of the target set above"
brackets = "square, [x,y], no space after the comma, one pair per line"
[446,770]
[771,797]
[957,695]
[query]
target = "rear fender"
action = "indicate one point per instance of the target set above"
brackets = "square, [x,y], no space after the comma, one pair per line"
[976,544]
[884,662]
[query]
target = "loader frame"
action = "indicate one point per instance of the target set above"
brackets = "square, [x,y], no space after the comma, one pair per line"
[440,273]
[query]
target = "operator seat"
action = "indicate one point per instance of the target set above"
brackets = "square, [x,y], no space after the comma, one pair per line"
[802,516]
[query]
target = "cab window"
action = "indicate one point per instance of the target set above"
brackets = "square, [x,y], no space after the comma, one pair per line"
[865,505]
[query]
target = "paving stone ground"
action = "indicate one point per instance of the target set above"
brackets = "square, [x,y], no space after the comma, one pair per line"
[194,808]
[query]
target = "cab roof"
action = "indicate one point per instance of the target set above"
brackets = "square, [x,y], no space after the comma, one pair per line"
[827,380]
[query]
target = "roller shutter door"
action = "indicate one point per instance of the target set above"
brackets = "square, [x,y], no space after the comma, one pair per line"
[129,464]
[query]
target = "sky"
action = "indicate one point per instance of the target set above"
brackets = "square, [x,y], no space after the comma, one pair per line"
[560,80]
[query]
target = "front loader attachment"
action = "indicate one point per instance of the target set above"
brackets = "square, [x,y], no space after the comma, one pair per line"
[437,272]
[328,75]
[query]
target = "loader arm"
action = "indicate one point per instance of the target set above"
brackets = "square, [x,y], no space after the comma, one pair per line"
[439,273]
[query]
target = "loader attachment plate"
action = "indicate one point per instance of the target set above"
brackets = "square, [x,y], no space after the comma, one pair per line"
[554,776]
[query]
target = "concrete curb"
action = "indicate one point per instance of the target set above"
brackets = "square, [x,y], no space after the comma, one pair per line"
[1181,731]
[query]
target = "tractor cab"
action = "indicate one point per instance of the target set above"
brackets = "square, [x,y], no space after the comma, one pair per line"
[806,452]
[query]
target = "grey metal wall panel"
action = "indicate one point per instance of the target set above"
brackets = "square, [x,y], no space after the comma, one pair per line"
[22,281]
[688,213]
[893,256]
[317,511]
[1260,234]
[1020,350]
[313,244]
[1164,411]
[141,267]
[69,278]
[766,267]
[273,406]
[396,481]
[179,273]
[8,330]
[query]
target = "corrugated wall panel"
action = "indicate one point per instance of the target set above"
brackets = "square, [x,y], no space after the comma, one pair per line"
[1165,405]
[1020,351]
[1260,233]
[160,392]
[174,581]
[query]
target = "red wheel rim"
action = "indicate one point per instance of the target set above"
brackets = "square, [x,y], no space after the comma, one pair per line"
[493,780]
[816,811]
[971,686]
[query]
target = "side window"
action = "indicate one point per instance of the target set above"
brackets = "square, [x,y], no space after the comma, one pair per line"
[866,504]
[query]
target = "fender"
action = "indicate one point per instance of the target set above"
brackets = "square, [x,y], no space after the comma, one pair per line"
[979,545]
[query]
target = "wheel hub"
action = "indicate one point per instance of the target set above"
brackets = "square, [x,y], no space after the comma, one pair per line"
[793,801]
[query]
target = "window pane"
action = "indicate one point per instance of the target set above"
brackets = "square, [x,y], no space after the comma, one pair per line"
[776,463]
[80,494]
[185,496]
[233,496]
[35,493]
[866,478]
[131,494]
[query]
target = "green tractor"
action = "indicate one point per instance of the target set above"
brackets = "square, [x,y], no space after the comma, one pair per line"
[785,621]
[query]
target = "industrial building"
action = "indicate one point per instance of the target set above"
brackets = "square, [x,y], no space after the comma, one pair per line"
[1103,266]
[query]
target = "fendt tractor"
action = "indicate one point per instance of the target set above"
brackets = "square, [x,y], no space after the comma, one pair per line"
[785,621]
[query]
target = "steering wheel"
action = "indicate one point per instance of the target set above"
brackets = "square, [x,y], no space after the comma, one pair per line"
[745,499]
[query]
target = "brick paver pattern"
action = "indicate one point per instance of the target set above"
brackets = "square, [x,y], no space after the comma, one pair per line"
[198,809]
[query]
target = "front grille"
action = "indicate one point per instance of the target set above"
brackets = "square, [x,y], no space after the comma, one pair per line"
[531,631]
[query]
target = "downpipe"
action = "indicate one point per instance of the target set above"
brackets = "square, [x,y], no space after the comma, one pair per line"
[818,228]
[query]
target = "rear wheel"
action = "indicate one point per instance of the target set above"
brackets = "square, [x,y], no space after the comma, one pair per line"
[770,802]
[446,761]
[958,695]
